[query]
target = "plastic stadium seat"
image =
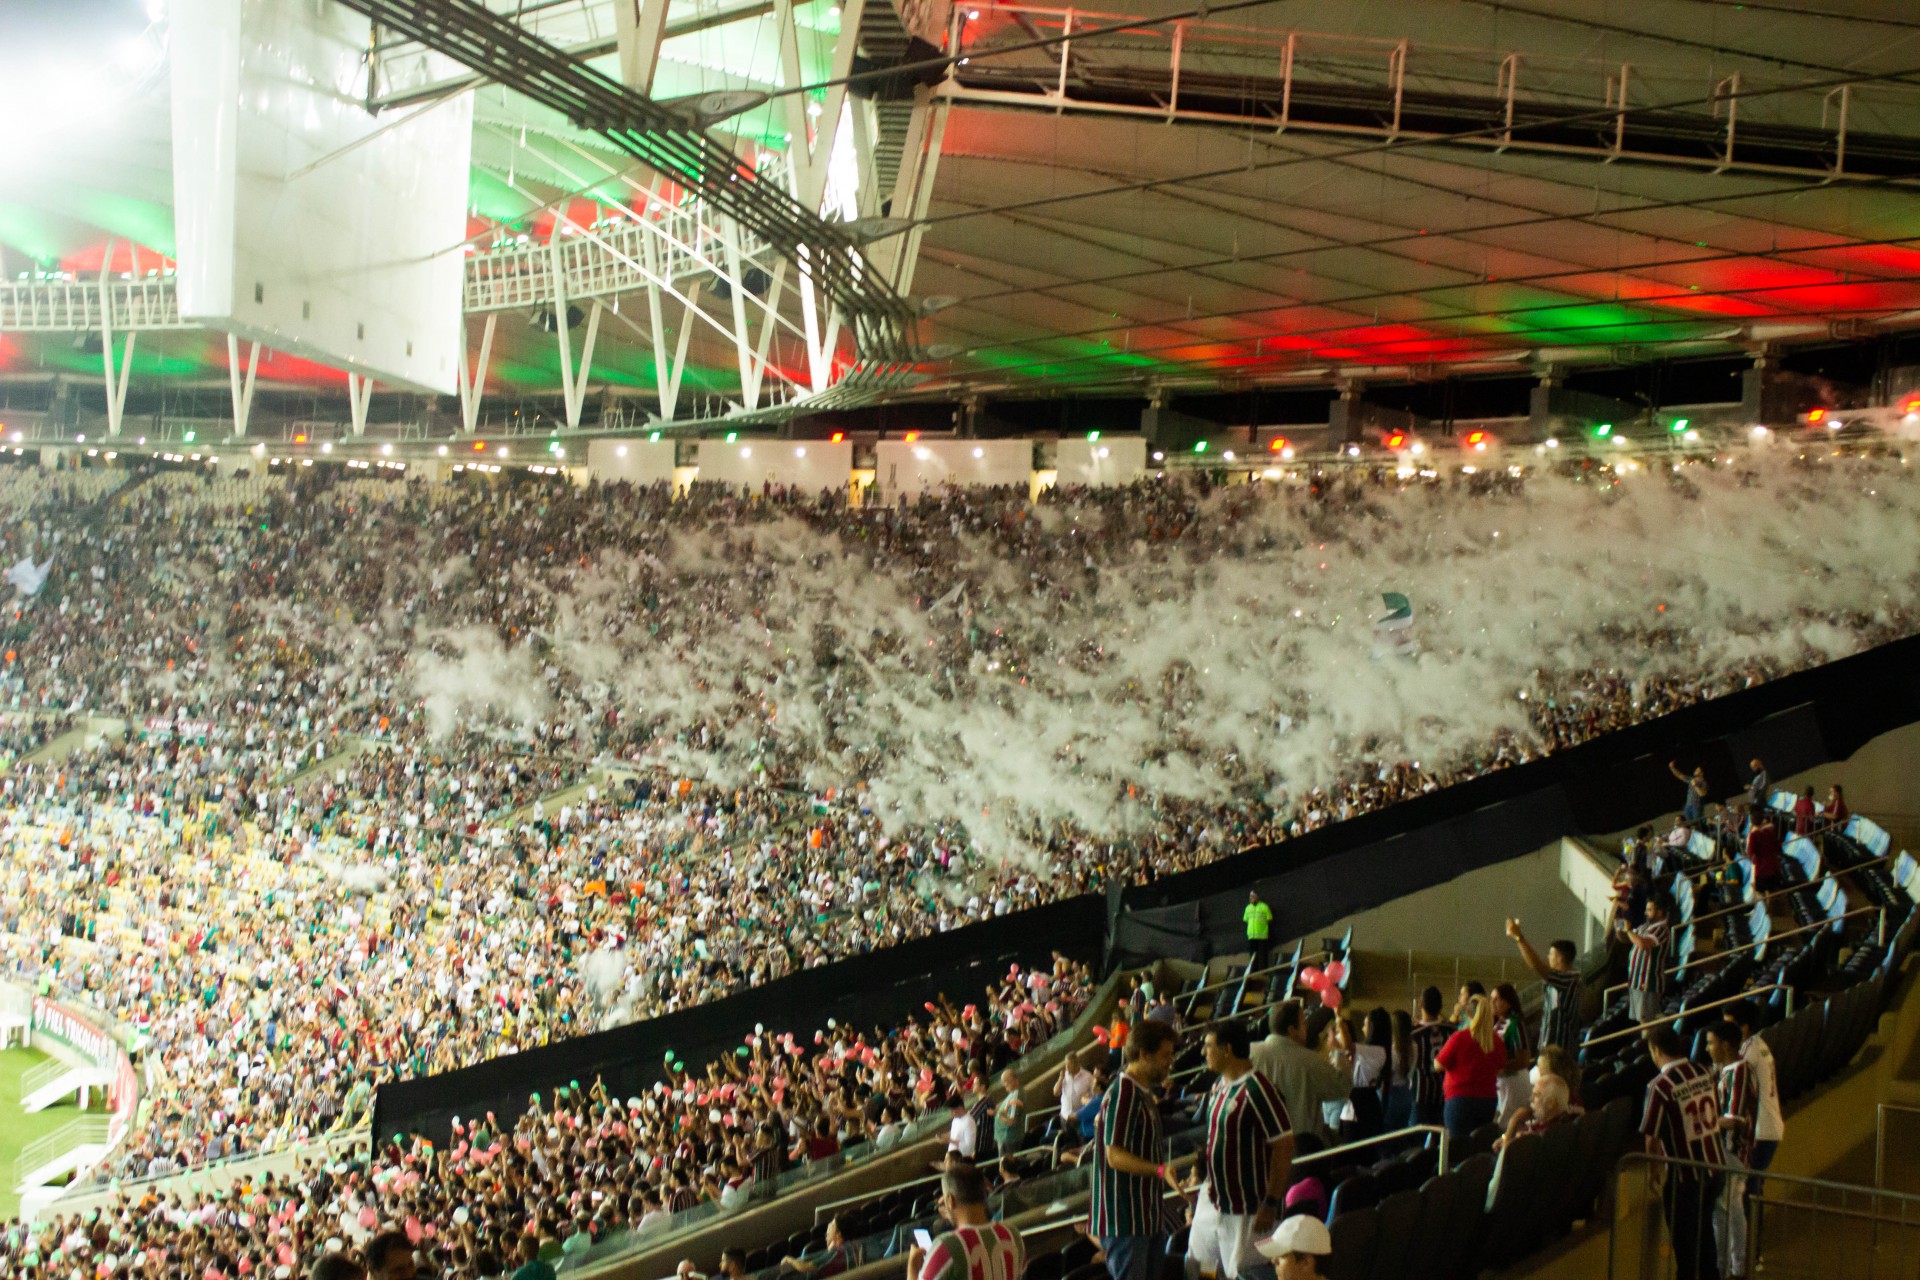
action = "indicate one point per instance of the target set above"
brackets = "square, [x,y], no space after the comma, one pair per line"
[1446,1204]
[1477,1174]
[1360,1191]
[1519,1174]
[1078,1253]
[1575,1202]
[1353,1246]
[1394,1239]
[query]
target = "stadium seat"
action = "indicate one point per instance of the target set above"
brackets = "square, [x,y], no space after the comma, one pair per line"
[1355,1192]
[1354,1239]
[1398,1217]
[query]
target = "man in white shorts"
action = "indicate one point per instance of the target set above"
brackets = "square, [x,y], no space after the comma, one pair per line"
[1244,1167]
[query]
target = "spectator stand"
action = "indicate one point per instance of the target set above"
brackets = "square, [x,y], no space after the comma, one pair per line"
[785,1216]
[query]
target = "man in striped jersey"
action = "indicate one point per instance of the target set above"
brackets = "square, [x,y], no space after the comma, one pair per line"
[1771,1126]
[1682,1122]
[1130,1177]
[1430,1031]
[976,1248]
[1739,1114]
[1244,1166]
[1560,1008]
[1647,961]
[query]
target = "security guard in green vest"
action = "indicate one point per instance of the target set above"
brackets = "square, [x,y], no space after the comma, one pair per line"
[1259,918]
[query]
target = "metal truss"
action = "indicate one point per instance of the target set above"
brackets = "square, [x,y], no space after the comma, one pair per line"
[75,306]
[691,262]
[672,145]
[1205,72]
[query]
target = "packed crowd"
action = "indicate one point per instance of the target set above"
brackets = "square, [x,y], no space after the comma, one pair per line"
[581,1166]
[774,730]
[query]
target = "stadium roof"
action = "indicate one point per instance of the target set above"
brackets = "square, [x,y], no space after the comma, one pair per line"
[1322,190]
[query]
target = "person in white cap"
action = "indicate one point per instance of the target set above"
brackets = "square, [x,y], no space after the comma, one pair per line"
[1296,1247]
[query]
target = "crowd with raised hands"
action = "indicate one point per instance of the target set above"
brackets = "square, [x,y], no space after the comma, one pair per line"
[419,774]
[578,1166]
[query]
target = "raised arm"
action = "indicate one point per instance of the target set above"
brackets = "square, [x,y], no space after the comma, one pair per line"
[1527,953]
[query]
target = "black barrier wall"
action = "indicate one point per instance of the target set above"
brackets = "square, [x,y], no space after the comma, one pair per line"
[1606,785]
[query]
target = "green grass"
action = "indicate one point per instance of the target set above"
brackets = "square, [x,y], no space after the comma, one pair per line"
[18,1129]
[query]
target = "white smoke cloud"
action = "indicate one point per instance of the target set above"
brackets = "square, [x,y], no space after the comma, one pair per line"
[1261,650]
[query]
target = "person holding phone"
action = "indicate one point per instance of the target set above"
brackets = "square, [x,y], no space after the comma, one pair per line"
[977,1248]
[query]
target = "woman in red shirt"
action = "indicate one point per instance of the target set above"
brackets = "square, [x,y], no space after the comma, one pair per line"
[1470,1063]
[1837,811]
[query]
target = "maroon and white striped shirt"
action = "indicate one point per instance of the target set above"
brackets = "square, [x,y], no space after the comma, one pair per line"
[1682,1108]
[1739,1102]
[990,1252]
[1647,966]
[1243,1117]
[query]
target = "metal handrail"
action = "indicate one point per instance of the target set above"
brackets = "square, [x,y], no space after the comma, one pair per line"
[1640,1027]
[1652,1163]
[88,1129]
[1880,1138]
[1342,1149]
[1228,982]
[1697,960]
[1830,874]
[1820,828]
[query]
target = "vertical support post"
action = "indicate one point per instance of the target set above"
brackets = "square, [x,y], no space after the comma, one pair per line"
[1179,43]
[1066,54]
[359,400]
[667,385]
[1286,79]
[116,386]
[639,26]
[768,323]
[473,381]
[792,76]
[242,386]
[1840,134]
[819,356]
[742,343]
[1620,113]
[1397,69]
[1730,89]
[1509,78]
[575,389]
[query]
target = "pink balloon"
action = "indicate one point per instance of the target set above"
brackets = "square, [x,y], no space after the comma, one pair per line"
[1311,978]
[1332,997]
[1337,971]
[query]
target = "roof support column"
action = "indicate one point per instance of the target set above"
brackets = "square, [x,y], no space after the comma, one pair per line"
[116,386]
[473,380]
[241,385]
[359,400]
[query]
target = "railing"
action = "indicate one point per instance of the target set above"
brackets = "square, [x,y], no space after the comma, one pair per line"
[1432,1131]
[1812,1226]
[74,305]
[1696,961]
[1832,874]
[625,1243]
[84,1196]
[1880,1138]
[1641,1027]
[86,1131]
[42,1074]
